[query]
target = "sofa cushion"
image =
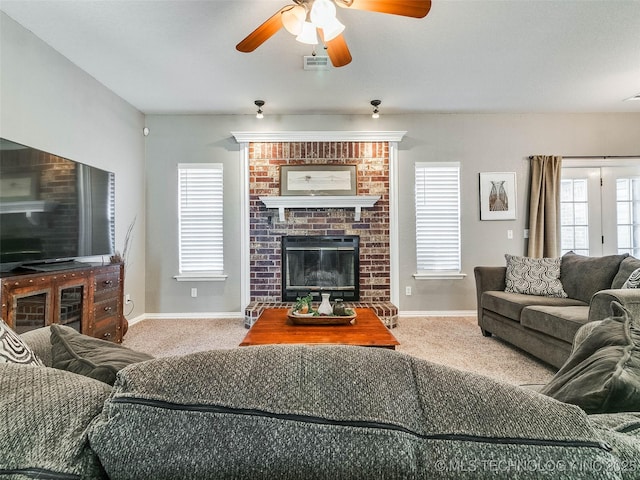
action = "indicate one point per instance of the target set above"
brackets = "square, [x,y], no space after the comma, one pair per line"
[14,350]
[622,432]
[90,356]
[510,305]
[602,375]
[44,415]
[627,267]
[316,412]
[534,276]
[583,276]
[39,340]
[558,322]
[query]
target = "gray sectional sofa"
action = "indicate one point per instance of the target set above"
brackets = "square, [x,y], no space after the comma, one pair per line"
[292,412]
[543,325]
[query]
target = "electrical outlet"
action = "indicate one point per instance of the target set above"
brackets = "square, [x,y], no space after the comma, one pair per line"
[127,299]
[194,292]
[407,291]
[526,233]
[510,234]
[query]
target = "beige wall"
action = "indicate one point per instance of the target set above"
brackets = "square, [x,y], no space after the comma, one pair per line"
[481,143]
[48,103]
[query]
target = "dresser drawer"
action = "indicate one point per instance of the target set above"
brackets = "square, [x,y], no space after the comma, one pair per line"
[107,330]
[104,309]
[106,282]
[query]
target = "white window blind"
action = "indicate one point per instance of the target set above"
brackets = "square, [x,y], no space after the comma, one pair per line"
[437,191]
[200,215]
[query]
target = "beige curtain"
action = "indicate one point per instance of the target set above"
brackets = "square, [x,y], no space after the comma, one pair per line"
[544,206]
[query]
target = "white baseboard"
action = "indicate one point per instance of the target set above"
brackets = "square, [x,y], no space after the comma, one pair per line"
[135,320]
[438,313]
[240,315]
[186,316]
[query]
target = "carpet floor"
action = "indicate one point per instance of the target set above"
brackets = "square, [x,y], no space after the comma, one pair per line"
[452,341]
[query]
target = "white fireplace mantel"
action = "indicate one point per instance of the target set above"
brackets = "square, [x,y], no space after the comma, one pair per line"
[320,201]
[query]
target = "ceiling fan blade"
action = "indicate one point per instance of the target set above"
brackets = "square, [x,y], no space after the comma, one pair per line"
[263,33]
[338,51]
[406,8]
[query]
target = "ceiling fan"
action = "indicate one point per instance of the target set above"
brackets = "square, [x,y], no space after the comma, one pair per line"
[310,19]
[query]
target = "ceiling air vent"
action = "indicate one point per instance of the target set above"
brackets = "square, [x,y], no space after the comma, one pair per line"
[316,62]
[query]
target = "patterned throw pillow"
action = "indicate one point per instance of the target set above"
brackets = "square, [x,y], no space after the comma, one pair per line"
[634,280]
[534,276]
[13,349]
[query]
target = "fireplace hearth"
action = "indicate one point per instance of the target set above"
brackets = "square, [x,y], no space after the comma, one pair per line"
[320,264]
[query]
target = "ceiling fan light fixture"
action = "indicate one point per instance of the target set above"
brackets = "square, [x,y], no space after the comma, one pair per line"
[376,111]
[293,19]
[308,35]
[259,104]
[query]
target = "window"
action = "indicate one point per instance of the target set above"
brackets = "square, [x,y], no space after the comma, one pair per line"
[200,215]
[437,197]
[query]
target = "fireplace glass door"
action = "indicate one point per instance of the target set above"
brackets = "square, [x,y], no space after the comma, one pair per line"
[320,264]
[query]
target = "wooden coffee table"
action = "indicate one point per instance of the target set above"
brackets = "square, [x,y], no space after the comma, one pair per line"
[274,327]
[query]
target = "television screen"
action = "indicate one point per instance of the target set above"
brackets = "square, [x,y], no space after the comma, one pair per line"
[52,208]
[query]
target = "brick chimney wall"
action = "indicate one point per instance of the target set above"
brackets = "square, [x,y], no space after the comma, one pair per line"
[372,160]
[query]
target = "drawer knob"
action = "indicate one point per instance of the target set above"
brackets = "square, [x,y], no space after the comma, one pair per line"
[108,282]
[108,308]
[107,335]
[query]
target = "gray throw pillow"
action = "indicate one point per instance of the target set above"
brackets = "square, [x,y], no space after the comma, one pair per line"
[627,267]
[90,356]
[602,374]
[534,276]
[583,276]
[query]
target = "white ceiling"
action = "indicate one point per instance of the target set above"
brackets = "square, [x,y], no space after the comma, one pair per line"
[178,56]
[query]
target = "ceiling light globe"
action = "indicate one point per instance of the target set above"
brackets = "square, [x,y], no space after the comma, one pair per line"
[293,19]
[308,34]
[322,12]
[332,30]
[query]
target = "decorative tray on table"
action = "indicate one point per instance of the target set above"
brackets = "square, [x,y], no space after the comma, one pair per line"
[314,319]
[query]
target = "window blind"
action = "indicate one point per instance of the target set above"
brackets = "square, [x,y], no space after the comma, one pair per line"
[437,191]
[200,218]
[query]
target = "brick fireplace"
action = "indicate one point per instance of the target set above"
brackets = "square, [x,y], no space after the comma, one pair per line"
[266,229]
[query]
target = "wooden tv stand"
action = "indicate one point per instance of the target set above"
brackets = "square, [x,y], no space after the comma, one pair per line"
[87,297]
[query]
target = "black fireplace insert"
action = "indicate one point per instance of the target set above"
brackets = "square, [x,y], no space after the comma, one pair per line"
[321,264]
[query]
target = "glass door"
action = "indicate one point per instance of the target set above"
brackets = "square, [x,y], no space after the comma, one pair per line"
[600,209]
[31,310]
[70,306]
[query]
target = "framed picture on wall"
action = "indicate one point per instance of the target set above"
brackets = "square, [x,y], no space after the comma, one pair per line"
[318,180]
[19,187]
[498,196]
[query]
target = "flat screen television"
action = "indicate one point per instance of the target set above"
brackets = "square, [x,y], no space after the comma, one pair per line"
[52,209]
